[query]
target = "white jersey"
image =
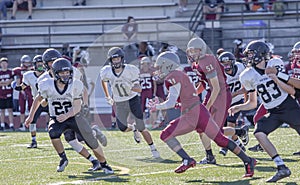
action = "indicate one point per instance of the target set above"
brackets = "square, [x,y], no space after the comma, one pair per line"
[60,102]
[234,83]
[122,83]
[30,79]
[269,92]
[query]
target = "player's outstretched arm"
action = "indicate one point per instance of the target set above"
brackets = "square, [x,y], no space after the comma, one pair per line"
[36,103]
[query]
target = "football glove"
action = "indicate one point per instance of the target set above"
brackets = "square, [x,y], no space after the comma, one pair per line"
[109,100]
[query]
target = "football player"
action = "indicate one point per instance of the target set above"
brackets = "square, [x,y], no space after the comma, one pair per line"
[218,97]
[194,115]
[30,79]
[64,96]
[49,56]
[281,106]
[24,95]
[232,71]
[6,92]
[124,82]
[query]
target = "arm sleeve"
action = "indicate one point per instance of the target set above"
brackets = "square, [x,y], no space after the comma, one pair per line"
[78,90]
[103,74]
[135,74]
[171,99]
[42,89]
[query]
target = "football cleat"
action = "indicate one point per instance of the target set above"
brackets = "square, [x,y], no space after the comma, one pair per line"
[33,144]
[96,165]
[256,148]
[22,128]
[249,167]
[281,173]
[136,136]
[62,165]
[99,135]
[208,160]
[186,164]
[155,154]
[245,137]
[107,169]
[223,151]
[113,125]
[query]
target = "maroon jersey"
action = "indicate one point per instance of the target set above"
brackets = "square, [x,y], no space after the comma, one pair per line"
[209,67]
[146,82]
[188,95]
[194,116]
[6,91]
[18,72]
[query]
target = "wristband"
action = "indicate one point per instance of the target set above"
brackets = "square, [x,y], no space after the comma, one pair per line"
[284,77]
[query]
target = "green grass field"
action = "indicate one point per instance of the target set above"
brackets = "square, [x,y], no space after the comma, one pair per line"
[133,164]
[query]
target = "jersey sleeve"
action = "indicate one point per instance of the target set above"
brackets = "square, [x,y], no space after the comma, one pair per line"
[25,79]
[104,73]
[77,90]
[77,74]
[43,88]
[246,82]
[208,66]
[135,74]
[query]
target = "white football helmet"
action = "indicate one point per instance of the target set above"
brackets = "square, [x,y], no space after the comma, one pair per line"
[166,62]
[196,49]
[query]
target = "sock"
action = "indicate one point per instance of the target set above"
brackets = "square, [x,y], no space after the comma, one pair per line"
[242,155]
[239,132]
[103,164]
[278,161]
[33,138]
[152,146]
[11,125]
[63,155]
[183,154]
[3,125]
[209,154]
[90,158]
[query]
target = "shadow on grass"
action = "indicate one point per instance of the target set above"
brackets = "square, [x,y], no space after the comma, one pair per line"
[237,182]
[3,135]
[101,176]
[158,160]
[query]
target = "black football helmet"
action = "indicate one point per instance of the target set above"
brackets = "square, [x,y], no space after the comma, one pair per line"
[257,51]
[227,59]
[60,65]
[49,56]
[115,52]
[38,63]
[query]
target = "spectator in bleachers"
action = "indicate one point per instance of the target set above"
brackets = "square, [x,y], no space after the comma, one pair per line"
[212,9]
[278,7]
[4,4]
[182,5]
[247,5]
[130,29]
[79,2]
[23,5]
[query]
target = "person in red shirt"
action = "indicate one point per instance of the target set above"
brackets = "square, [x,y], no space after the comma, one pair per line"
[6,101]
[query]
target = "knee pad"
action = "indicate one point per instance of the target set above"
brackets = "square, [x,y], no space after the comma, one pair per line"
[121,126]
[76,145]
[69,135]
[53,134]
[32,127]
